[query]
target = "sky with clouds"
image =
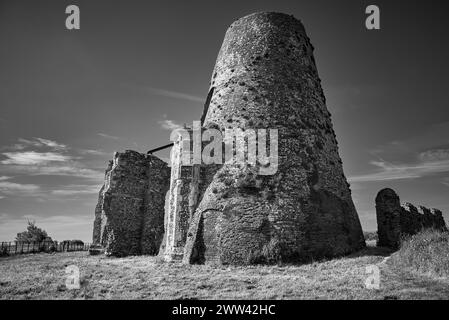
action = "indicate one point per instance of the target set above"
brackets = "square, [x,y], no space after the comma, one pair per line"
[137,70]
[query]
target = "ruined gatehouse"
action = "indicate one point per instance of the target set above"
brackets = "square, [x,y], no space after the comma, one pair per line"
[265,76]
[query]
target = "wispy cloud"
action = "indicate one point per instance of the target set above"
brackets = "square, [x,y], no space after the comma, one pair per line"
[422,154]
[56,162]
[72,169]
[93,152]
[175,95]
[40,142]
[9,188]
[108,136]
[388,171]
[170,125]
[33,158]
[445,181]
[435,155]
[52,144]
[72,190]
[12,188]
[35,142]
[434,138]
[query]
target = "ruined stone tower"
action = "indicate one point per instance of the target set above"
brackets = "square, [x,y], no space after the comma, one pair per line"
[265,77]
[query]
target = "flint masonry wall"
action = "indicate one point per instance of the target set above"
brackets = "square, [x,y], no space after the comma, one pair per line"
[265,77]
[129,217]
[395,220]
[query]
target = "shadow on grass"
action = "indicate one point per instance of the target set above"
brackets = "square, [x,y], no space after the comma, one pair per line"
[371,251]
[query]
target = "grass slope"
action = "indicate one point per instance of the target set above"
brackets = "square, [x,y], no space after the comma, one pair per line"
[425,253]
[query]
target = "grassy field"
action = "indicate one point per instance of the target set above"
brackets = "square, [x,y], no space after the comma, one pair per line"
[42,276]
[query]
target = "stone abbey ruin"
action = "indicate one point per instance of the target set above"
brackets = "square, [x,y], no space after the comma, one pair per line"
[264,77]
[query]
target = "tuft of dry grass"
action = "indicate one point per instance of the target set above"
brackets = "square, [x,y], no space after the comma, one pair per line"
[426,252]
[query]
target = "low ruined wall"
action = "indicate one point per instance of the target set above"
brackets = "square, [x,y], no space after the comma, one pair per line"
[129,217]
[395,220]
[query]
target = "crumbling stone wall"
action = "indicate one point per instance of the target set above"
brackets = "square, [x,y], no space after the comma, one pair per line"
[266,77]
[129,217]
[395,220]
[96,238]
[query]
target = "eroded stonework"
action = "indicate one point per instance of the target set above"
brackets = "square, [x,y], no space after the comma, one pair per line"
[395,220]
[130,211]
[266,78]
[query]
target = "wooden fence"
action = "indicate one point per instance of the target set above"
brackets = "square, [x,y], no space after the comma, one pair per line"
[10,248]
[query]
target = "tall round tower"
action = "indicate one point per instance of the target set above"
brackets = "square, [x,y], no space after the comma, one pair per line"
[265,77]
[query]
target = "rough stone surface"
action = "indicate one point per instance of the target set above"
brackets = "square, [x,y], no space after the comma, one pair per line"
[395,220]
[129,217]
[265,77]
